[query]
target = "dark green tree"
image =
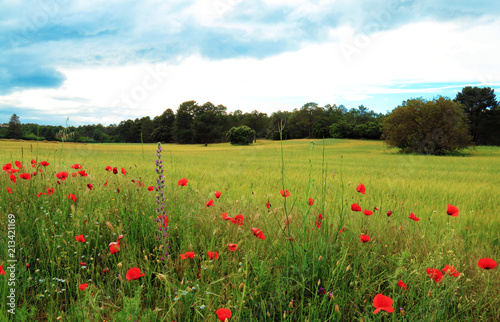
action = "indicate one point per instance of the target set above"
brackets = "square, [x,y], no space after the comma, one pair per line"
[14,130]
[163,126]
[242,135]
[182,131]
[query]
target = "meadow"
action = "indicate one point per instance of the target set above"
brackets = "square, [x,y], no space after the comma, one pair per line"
[309,267]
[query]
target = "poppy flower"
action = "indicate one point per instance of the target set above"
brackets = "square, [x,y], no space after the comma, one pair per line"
[90,186]
[452,211]
[76,166]
[44,163]
[83,286]
[487,263]
[105,183]
[213,255]
[389,213]
[364,238]
[232,247]
[341,231]
[450,270]
[268,205]
[13,178]
[72,197]
[80,238]
[25,176]
[435,274]
[402,285]
[62,175]
[50,191]
[210,203]
[368,212]
[412,216]
[382,303]
[2,271]
[83,264]
[258,233]
[114,247]
[225,216]
[33,163]
[355,207]
[34,173]
[115,170]
[109,168]
[182,182]
[285,193]
[223,314]
[7,167]
[361,188]
[40,194]
[74,174]
[106,270]
[124,171]
[18,165]
[82,173]
[151,188]
[238,219]
[187,255]
[218,194]
[9,190]
[134,273]
[375,209]
[311,202]
[318,222]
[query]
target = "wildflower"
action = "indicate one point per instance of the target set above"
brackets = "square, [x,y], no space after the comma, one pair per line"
[151,188]
[364,238]
[225,216]
[311,202]
[210,203]
[90,186]
[487,263]
[341,230]
[76,166]
[13,178]
[115,170]
[318,222]
[213,255]
[187,255]
[382,303]
[355,207]
[218,194]
[223,314]
[109,168]
[25,176]
[368,212]
[2,271]
[50,191]
[402,285]
[134,273]
[80,238]
[232,247]
[9,190]
[74,174]
[435,274]
[412,216]
[450,270]
[124,172]
[62,175]
[258,233]
[83,286]
[285,193]
[82,173]
[361,188]
[72,197]
[44,163]
[33,163]
[182,182]
[452,211]
[19,165]
[238,219]
[114,247]
[268,205]
[389,213]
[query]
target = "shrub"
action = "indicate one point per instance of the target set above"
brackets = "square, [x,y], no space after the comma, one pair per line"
[240,135]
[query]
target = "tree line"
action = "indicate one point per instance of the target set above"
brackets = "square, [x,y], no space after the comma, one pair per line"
[193,123]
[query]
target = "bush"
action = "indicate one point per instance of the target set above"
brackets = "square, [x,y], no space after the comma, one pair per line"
[240,135]
[427,127]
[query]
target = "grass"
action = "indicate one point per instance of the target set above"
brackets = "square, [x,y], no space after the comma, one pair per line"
[275,279]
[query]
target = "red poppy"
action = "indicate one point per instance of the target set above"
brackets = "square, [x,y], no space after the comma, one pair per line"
[361,188]
[355,207]
[450,270]
[134,273]
[318,222]
[182,182]
[258,233]
[82,173]
[402,285]
[238,219]
[109,168]
[412,216]
[33,163]
[452,211]
[9,190]
[341,230]
[311,202]
[151,188]
[187,255]
[7,167]
[13,178]
[83,264]
[223,314]
[435,274]
[225,216]
[18,165]
[389,213]
[210,203]
[25,176]
[364,238]
[39,194]
[368,212]
[2,272]
[115,170]
[50,191]
[62,175]
[213,255]
[268,205]
[90,186]
[285,193]
[44,163]
[487,263]
[232,247]
[105,183]
[83,286]
[124,171]
[382,303]
[118,190]
[72,197]
[34,173]
[114,247]
[80,238]
[74,174]
[218,194]
[76,166]
[106,270]
[375,209]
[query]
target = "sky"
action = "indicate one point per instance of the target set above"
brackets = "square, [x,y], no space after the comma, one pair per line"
[73,62]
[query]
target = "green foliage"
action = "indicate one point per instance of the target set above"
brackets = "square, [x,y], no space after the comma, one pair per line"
[427,127]
[242,135]
[14,130]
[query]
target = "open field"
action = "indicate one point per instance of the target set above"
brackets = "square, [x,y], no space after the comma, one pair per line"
[299,272]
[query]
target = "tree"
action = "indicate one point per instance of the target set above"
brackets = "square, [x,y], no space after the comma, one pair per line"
[427,127]
[241,135]
[14,128]
[481,106]
[163,126]
[182,131]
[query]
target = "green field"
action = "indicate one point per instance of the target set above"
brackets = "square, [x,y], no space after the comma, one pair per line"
[283,277]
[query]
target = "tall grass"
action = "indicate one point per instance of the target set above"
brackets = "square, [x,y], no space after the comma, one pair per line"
[298,273]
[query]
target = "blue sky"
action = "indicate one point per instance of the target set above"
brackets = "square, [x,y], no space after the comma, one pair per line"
[107,61]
